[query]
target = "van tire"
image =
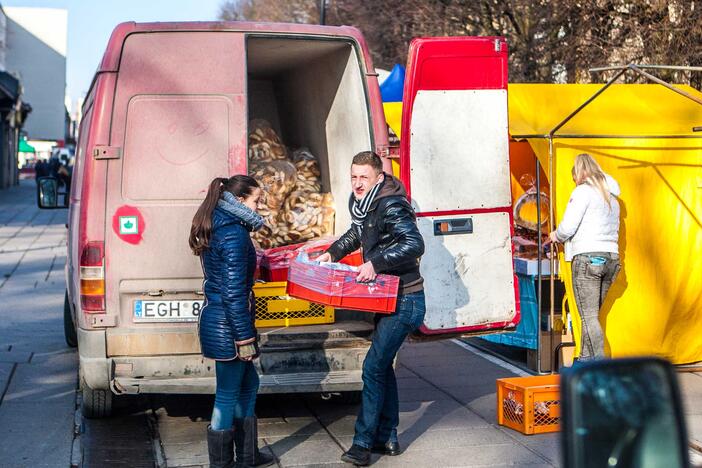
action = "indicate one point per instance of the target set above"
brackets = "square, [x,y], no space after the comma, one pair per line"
[69,328]
[95,403]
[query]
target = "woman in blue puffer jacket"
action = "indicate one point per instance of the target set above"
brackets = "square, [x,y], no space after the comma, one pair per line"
[220,236]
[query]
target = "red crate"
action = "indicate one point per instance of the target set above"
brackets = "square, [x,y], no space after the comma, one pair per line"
[323,284]
[276,261]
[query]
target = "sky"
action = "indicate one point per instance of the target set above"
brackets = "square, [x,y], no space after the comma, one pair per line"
[90,23]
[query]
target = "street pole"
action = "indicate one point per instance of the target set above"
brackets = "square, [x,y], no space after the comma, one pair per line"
[322,11]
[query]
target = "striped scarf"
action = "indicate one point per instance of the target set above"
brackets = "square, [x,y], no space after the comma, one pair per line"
[359,208]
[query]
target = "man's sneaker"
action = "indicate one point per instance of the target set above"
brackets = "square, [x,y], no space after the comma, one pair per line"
[389,448]
[357,455]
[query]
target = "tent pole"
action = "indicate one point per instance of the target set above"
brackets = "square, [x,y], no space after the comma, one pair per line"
[665,83]
[552,262]
[539,256]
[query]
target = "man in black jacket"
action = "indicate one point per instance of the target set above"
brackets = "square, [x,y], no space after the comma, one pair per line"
[385,227]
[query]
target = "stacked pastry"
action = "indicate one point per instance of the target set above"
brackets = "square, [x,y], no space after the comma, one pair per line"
[295,209]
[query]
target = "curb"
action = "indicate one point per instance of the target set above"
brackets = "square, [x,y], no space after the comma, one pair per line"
[76,447]
[152,423]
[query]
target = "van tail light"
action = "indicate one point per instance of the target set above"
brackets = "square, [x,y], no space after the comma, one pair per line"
[92,277]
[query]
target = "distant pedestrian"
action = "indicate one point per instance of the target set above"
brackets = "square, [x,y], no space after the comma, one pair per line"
[53,166]
[590,230]
[220,236]
[40,169]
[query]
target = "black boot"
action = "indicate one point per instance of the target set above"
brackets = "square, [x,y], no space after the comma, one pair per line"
[246,444]
[220,447]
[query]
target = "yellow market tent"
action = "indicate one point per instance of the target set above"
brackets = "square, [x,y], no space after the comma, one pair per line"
[655,305]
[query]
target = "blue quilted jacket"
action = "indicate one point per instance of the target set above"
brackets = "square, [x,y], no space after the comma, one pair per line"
[229,265]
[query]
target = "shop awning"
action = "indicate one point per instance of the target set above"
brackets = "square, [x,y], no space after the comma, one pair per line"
[655,305]
[25,147]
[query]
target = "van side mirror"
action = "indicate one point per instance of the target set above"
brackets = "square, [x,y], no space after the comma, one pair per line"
[622,413]
[48,194]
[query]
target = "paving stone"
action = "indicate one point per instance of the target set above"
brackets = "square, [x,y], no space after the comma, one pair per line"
[305,450]
[53,380]
[182,432]
[414,383]
[547,445]
[342,427]
[438,415]
[22,423]
[485,406]
[449,439]
[422,395]
[468,393]
[15,356]
[464,456]
[294,427]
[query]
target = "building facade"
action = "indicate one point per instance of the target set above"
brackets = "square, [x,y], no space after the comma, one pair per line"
[36,52]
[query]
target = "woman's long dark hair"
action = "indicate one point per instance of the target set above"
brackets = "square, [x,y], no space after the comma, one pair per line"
[238,185]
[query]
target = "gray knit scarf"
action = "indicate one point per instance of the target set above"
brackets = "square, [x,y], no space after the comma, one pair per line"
[231,205]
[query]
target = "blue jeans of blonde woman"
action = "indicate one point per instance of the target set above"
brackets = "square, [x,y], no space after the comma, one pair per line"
[235,397]
[591,282]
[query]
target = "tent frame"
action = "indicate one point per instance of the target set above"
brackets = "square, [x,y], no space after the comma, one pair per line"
[621,71]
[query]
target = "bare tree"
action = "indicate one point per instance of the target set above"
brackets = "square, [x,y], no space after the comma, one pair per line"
[549,40]
[286,11]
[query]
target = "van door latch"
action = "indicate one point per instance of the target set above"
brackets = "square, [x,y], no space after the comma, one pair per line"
[107,152]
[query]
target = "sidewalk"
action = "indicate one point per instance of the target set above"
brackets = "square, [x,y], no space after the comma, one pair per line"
[447,418]
[38,375]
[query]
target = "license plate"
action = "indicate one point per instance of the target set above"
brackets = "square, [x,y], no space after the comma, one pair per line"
[167,311]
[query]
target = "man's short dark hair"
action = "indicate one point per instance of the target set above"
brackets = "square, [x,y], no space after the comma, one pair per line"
[368,158]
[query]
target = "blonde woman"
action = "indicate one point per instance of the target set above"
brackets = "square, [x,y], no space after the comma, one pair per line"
[590,231]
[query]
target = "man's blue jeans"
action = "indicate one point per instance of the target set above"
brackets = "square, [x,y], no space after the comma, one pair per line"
[235,396]
[380,408]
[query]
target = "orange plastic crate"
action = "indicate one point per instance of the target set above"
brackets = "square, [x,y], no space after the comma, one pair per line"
[530,405]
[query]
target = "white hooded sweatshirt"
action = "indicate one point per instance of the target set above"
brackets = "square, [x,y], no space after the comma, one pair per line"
[589,224]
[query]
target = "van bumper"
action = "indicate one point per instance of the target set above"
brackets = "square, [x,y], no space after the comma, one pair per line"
[311,382]
[92,353]
[194,374]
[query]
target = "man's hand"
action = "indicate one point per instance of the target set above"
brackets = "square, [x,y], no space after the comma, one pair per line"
[553,237]
[324,258]
[366,273]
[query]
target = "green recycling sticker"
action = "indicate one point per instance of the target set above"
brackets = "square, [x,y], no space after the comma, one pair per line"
[128,225]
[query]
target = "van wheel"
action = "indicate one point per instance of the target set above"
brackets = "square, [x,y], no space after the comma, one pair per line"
[95,403]
[349,398]
[69,328]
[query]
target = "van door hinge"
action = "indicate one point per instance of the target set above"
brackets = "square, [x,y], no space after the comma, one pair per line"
[107,152]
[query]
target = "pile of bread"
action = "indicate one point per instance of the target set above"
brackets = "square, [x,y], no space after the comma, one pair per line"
[295,209]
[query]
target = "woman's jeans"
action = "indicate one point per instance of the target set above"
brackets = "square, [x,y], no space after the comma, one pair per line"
[592,277]
[237,385]
[380,408]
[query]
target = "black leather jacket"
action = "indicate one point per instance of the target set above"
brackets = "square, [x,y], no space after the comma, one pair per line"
[390,239]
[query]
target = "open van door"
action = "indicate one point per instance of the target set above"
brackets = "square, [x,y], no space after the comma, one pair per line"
[455,164]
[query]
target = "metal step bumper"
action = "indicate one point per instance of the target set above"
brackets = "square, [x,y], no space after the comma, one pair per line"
[311,382]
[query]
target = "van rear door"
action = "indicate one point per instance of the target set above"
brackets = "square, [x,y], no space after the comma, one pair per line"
[179,120]
[455,165]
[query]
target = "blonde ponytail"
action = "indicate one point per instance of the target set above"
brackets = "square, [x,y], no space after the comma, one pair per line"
[587,171]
